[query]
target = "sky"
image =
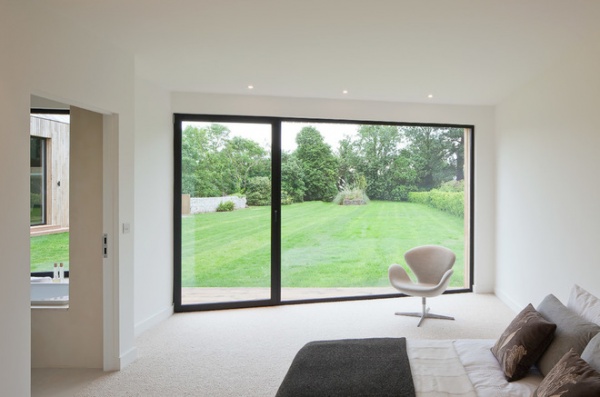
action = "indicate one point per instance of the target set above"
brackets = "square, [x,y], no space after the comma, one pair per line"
[261,133]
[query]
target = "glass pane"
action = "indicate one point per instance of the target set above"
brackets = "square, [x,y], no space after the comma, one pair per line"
[37,181]
[49,192]
[358,197]
[48,249]
[226,212]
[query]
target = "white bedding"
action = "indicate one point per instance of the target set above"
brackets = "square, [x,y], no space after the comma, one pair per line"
[462,368]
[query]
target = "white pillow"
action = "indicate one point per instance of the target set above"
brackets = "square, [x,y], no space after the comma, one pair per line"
[584,304]
[591,353]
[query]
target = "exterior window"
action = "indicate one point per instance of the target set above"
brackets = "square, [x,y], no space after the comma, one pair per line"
[37,176]
[49,190]
[272,211]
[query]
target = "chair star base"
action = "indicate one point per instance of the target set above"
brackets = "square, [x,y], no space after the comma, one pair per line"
[425,314]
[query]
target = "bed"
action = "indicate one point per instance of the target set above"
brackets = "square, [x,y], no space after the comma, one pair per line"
[550,350]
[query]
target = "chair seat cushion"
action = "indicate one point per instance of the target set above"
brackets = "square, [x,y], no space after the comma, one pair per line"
[423,290]
[402,282]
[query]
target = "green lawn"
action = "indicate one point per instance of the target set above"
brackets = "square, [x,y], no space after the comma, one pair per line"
[323,245]
[47,249]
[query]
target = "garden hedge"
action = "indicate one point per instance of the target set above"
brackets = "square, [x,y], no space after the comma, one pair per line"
[451,202]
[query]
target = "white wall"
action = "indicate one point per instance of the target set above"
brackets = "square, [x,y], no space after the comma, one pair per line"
[481,117]
[15,348]
[46,56]
[153,205]
[548,196]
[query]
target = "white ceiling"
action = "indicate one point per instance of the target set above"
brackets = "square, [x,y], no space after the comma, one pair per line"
[472,52]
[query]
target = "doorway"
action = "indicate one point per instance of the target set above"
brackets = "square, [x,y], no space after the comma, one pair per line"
[74,335]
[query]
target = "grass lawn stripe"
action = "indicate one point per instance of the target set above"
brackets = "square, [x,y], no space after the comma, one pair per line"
[323,245]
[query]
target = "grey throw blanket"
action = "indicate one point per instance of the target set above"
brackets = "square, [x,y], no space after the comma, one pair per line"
[375,367]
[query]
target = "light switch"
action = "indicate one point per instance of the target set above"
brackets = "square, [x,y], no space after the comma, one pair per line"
[126,228]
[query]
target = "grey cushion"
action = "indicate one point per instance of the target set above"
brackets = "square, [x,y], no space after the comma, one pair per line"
[591,353]
[572,332]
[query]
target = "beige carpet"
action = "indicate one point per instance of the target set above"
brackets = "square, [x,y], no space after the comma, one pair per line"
[247,352]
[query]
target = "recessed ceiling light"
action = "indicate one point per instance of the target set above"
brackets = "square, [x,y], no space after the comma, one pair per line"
[430,96]
[345,92]
[250,87]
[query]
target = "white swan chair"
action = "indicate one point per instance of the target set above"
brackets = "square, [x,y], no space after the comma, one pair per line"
[432,265]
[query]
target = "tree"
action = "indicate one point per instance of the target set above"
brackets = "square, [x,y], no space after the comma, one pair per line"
[318,164]
[430,155]
[402,178]
[376,157]
[214,167]
[191,140]
[199,164]
[203,161]
[292,177]
[455,140]
[348,164]
[378,147]
[242,156]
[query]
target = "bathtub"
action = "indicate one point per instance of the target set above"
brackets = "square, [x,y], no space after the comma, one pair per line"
[46,293]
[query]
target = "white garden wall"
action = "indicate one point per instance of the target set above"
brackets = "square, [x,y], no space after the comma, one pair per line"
[210,204]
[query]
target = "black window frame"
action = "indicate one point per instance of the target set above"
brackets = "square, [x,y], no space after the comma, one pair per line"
[276,122]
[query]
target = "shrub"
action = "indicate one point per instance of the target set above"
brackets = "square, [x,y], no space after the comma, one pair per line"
[453,186]
[400,193]
[225,206]
[286,199]
[419,197]
[258,191]
[35,199]
[351,195]
[329,194]
[451,202]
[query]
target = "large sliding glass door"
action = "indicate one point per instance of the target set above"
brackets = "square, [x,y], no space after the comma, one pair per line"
[225,217]
[271,210]
[370,193]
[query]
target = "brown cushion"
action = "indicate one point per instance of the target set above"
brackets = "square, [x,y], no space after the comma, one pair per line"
[523,342]
[570,377]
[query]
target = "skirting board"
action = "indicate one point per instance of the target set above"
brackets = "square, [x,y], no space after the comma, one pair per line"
[508,301]
[478,289]
[127,358]
[153,320]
